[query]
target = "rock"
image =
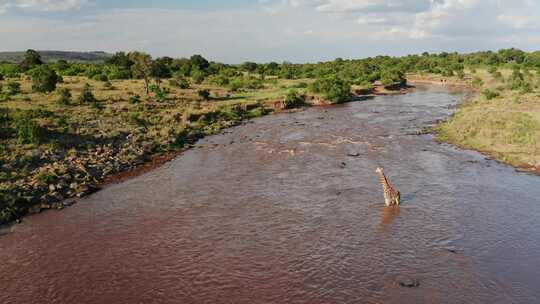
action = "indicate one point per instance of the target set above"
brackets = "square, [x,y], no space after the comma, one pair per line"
[409,283]
[355,154]
[343,165]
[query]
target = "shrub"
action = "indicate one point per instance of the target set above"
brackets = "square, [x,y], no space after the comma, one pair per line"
[183,83]
[220,80]
[236,84]
[161,93]
[333,88]
[5,120]
[198,76]
[300,85]
[64,96]
[29,132]
[135,99]
[13,88]
[204,94]
[447,73]
[86,95]
[393,76]
[101,77]
[490,94]
[293,99]
[477,82]
[44,79]
[253,83]
[1,76]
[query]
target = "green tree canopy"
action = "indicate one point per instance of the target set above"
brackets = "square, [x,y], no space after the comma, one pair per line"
[44,79]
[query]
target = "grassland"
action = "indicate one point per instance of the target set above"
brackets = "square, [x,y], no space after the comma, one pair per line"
[501,120]
[53,150]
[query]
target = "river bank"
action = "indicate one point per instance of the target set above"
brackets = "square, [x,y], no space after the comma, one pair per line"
[496,120]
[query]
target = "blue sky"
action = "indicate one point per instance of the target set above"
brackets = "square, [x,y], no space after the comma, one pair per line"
[234,31]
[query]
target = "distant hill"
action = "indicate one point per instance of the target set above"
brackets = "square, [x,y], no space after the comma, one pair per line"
[47,56]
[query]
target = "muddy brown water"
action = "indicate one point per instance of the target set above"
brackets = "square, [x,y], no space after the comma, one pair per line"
[288,209]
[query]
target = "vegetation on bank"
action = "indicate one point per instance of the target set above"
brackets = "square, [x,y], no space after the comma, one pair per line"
[503,119]
[65,126]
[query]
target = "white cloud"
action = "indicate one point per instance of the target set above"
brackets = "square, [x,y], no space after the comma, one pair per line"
[4,4]
[372,5]
[295,30]
[41,5]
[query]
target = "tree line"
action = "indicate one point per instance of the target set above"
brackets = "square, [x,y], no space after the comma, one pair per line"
[332,77]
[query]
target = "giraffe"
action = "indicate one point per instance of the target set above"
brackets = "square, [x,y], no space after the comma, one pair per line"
[391,195]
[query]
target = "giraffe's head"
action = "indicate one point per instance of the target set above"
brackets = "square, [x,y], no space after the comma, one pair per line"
[379,170]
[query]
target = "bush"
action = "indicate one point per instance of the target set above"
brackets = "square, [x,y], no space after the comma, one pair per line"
[490,94]
[204,94]
[86,95]
[220,80]
[198,76]
[181,82]
[236,84]
[333,88]
[135,99]
[5,120]
[161,93]
[1,76]
[64,96]
[29,132]
[293,99]
[101,77]
[300,85]
[44,79]
[477,82]
[13,88]
[184,83]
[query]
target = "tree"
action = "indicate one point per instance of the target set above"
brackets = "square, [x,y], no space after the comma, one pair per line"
[181,66]
[61,65]
[44,79]
[120,59]
[249,66]
[160,70]
[333,88]
[119,66]
[199,62]
[142,68]
[31,59]
[261,70]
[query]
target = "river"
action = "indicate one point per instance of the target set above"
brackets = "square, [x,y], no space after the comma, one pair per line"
[288,209]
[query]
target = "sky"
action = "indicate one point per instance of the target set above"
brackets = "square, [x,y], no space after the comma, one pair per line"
[234,31]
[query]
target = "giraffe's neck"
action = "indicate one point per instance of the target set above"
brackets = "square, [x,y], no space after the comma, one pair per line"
[384,182]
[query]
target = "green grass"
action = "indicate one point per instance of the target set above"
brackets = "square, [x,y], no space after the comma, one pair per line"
[64,143]
[503,122]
